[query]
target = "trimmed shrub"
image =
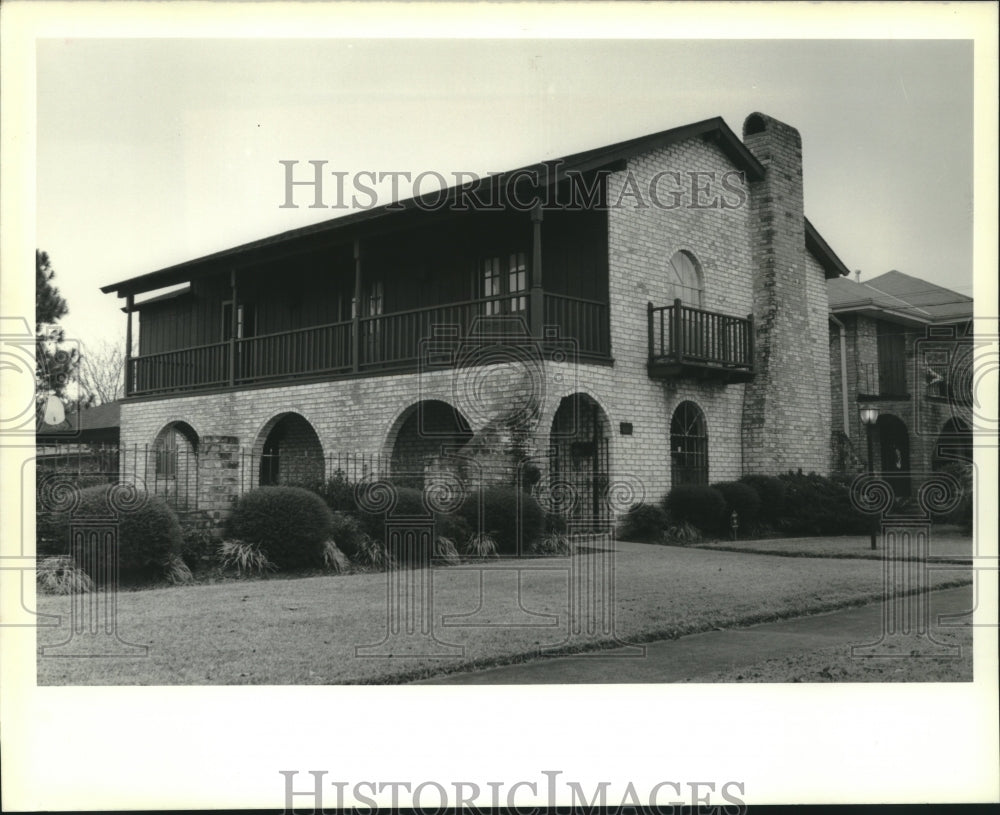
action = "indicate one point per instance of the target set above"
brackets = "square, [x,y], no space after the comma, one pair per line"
[816,505]
[291,525]
[338,493]
[500,517]
[744,500]
[148,535]
[197,545]
[772,492]
[346,532]
[962,514]
[643,523]
[452,526]
[697,504]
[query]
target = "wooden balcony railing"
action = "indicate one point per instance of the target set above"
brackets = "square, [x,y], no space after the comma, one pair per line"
[685,340]
[383,342]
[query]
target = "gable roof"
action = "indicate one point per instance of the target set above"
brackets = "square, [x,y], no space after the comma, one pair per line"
[940,303]
[899,298]
[345,227]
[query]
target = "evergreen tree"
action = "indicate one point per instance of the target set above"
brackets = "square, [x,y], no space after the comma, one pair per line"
[55,364]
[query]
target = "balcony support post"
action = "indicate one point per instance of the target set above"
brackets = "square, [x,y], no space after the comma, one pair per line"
[356,310]
[536,306]
[129,305]
[678,331]
[232,327]
[649,329]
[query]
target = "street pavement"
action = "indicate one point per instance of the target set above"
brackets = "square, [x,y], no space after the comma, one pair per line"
[699,654]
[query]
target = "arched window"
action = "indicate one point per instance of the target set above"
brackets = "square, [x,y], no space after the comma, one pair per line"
[684,279]
[688,445]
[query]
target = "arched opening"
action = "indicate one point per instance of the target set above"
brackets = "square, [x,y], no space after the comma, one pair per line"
[422,432]
[175,464]
[684,279]
[894,453]
[688,445]
[578,453]
[953,444]
[290,452]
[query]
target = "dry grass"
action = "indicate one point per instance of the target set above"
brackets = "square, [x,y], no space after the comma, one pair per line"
[305,630]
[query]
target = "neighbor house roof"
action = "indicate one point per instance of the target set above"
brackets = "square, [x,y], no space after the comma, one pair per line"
[940,303]
[899,298]
[713,130]
[94,424]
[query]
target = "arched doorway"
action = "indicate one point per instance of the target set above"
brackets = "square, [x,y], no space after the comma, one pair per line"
[421,433]
[688,445]
[894,453]
[578,453]
[953,444]
[290,452]
[175,465]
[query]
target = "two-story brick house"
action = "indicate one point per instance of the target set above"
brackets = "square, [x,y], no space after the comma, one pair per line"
[675,328]
[904,346]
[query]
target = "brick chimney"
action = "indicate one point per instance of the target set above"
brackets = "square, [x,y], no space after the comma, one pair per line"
[785,421]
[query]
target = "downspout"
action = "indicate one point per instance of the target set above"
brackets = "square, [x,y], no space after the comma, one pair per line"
[841,332]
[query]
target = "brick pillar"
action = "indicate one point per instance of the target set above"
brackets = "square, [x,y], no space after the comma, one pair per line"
[218,476]
[784,421]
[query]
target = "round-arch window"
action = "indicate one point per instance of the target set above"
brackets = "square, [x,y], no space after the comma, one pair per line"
[684,279]
[688,445]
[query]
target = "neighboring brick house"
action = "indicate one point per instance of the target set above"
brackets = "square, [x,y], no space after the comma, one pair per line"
[905,346]
[671,290]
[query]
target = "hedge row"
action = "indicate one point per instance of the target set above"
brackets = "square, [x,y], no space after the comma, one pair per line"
[793,504]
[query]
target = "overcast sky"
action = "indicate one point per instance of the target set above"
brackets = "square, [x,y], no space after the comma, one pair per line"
[152,152]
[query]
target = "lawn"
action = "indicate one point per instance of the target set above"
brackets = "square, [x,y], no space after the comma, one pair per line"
[835,664]
[947,544]
[306,630]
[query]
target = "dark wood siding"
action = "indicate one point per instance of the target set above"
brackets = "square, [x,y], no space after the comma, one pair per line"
[575,254]
[891,359]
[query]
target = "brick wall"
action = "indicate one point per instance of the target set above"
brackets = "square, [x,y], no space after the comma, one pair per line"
[790,406]
[786,417]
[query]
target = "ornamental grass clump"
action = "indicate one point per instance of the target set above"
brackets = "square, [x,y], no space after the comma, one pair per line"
[59,575]
[445,551]
[554,544]
[248,559]
[334,560]
[480,546]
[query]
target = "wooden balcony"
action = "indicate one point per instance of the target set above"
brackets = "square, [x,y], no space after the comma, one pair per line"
[695,343]
[363,346]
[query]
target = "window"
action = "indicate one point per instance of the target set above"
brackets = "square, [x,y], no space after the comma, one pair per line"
[688,446]
[245,320]
[504,275]
[684,279]
[891,360]
[166,454]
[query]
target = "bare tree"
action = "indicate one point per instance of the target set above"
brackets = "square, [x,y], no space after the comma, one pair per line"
[102,372]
